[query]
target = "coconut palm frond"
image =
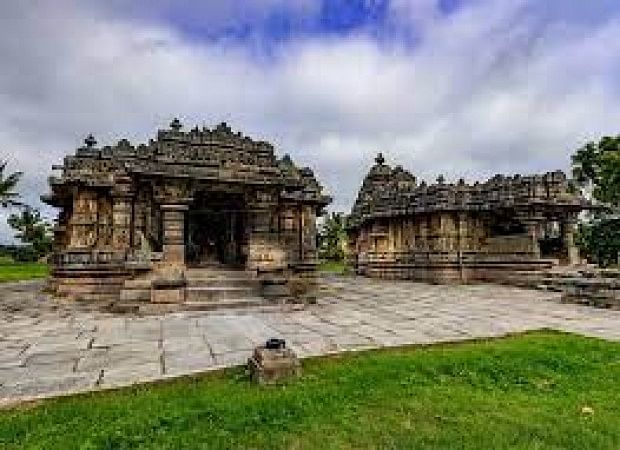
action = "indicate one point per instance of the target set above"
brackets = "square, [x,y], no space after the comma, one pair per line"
[8,197]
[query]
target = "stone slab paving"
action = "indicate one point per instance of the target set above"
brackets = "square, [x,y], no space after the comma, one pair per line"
[48,349]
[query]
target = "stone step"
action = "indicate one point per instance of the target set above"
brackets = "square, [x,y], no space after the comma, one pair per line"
[138,283]
[94,297]
[135,295]
[223,282]
[219,273]
[231,303]
[215,294]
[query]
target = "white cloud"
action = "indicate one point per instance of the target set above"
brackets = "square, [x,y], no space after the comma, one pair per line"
[495,86]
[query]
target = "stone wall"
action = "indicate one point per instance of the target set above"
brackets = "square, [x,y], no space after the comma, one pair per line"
[445,232]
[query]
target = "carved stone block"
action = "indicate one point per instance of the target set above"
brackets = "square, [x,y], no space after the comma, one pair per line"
[273,362]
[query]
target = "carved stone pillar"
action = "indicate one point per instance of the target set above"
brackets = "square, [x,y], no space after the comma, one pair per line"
[568,238]
[173,219]
[462,232]
[265,250]
[139,223]
[534,233]
[308,241]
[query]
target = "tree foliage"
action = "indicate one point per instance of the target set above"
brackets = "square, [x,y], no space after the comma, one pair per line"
[333,237]
[601,240]
[8,196]
[596,166]
[33,230]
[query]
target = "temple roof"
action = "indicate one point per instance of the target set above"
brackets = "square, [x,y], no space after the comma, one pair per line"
[218,154]
[392,191]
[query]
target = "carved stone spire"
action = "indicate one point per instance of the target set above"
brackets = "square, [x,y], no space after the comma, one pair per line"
[176,124]
[90,141]
[380,159]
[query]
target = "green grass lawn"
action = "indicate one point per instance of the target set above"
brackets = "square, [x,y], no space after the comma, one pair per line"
[15,271]
[334,267]
[536,391]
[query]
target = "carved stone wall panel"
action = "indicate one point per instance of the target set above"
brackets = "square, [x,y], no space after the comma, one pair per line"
[83,221]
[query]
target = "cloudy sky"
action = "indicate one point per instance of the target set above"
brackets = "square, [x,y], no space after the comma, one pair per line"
[460,87]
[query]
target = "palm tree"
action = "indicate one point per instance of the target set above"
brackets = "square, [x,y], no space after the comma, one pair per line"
[8,196]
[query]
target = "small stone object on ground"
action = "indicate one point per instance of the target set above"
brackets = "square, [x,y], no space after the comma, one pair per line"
[587,410]
[273,362]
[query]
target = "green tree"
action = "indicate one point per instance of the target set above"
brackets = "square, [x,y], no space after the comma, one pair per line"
[596,167]
[8,196]
[333,237]
[32,230]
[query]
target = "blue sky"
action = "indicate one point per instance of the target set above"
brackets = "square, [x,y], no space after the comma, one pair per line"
[467,88]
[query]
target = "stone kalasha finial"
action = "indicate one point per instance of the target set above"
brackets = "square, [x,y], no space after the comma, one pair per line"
[380,159]
[176,124]
[90,141]
[441,179]
[286,159]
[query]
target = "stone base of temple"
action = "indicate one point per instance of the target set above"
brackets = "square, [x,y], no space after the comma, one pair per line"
[171,288]
[586,285]
[519,273]
[88,285]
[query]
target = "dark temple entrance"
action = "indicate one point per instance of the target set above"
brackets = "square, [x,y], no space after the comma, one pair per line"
[215,231]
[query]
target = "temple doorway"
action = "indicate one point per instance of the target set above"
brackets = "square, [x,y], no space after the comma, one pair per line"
[215,233]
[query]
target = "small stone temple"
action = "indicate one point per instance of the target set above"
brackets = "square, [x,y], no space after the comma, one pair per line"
[506,229]
[179,214]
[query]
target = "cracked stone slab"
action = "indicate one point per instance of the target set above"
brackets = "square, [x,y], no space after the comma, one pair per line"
[180,362]
[47,349]
[34,386]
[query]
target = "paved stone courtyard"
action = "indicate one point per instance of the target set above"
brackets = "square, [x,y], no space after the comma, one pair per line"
[48,348]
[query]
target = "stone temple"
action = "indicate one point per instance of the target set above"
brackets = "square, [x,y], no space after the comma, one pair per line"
[192,215]
[507,229]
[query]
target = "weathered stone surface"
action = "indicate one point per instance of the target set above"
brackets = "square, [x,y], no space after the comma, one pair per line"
[355,314]
[182,361]
[273,362]
[507,229]
[203,197]
[591,286]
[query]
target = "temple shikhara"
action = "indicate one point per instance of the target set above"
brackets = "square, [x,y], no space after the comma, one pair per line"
[190,215]
[503,230]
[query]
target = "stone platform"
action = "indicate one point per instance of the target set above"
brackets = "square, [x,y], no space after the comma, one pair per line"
[49,349]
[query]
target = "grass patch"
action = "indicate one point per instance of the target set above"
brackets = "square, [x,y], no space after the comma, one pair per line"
[335,267]
[15,271]
[520,392]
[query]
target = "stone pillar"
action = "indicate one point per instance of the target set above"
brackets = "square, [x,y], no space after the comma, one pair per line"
[533,231]
[309,251]
[173,219]
[121,222]
[423,237]
[139,223]
[568,238]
